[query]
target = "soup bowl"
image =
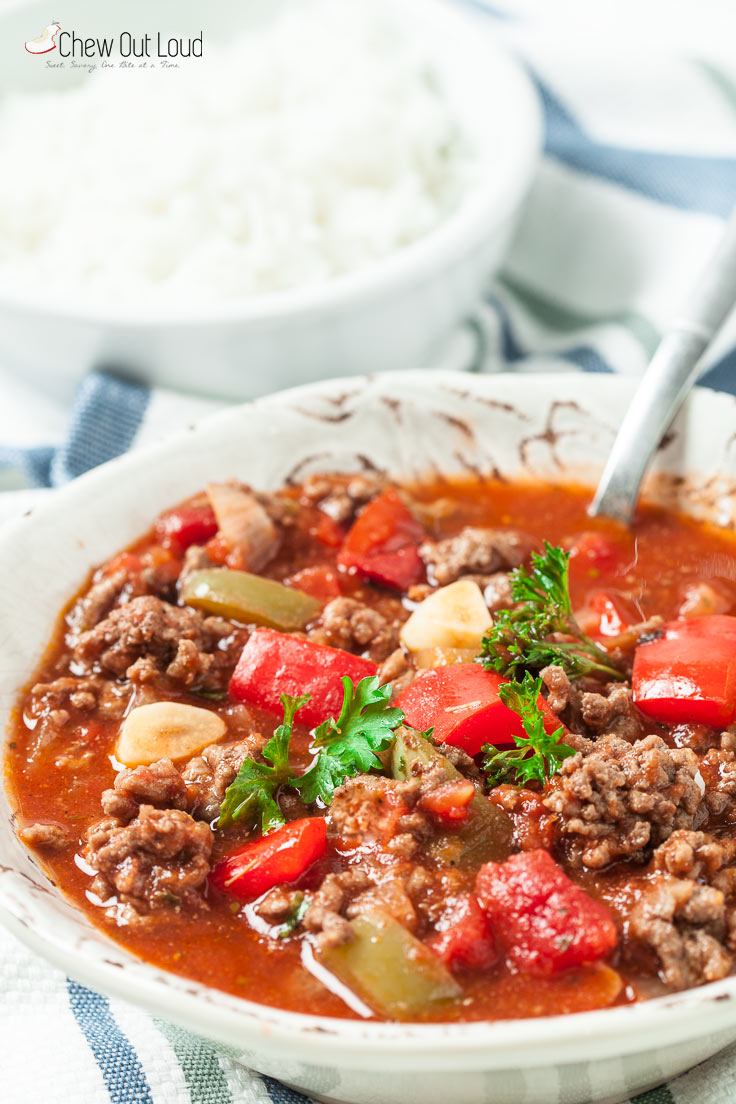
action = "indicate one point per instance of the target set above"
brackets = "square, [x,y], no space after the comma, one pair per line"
[413,424]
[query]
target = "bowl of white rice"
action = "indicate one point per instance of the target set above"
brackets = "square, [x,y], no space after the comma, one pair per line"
[235,200]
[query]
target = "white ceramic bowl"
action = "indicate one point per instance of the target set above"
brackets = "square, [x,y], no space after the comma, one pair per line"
[389,315]
[557,426]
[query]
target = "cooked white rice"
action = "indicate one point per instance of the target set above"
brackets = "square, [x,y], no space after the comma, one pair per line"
[304,150]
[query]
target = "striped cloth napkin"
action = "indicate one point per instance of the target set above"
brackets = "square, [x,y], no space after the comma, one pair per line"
[639,173]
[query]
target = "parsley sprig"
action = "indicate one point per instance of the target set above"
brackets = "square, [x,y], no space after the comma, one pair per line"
[344,747]
[252,794]
[519,639]
[350,744]
[538,754]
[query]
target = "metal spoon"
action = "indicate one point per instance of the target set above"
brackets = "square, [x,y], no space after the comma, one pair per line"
[669,376]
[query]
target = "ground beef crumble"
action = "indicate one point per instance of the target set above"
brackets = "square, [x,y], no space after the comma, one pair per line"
[559,687]
[475,551]
[398,670]
[160,859]
[388,895]
[279,904]
[412,894]
[209,774]
[323,917]
[695,855]
[684,924]
[159,784]
[108,698]
[619,800]
[590,712]
[718,768]
[371,809]
[613,712]
[728,740]
[348,624]
[339,498]
[50,837]
[462,762]
[196,558]
[147,636]
[684,912]
[97,602]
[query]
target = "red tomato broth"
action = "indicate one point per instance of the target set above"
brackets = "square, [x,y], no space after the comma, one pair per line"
[217,946]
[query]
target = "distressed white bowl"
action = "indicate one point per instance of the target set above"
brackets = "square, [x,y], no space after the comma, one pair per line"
[388,315]
[411,424]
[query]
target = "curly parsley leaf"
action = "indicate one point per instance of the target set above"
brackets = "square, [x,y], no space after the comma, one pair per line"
[541,630]
[344,747]
[538,754]
[251,796]
[350,744]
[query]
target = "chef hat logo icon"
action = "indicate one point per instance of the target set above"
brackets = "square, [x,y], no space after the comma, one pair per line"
[45,42]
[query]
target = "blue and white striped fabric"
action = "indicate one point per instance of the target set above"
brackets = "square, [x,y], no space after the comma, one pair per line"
[639,173]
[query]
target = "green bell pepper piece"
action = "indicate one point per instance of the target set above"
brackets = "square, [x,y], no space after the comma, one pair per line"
[486,834]
[239,596]
[389,968]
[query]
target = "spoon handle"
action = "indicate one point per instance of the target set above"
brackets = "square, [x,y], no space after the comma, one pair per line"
[666,381]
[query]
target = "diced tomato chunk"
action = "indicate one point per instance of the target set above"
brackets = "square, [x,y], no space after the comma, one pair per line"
[327,531]
[274,663]
[383,544]
[224,553]
[606,614]
[462,704]
[186,526]
[320,582]
[129,562]
[449,802]
[545,921]
[593,553]
[276,859]
[218,550]
[534,824]
[467,939]
[688,674]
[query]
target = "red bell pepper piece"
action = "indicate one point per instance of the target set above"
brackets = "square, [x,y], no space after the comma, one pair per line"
[688,674]
[274,663]
[383,544]
[186,526]
[462,704]
[280,857]
[467,939]
[321,583]
[546,922]
[449,802]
